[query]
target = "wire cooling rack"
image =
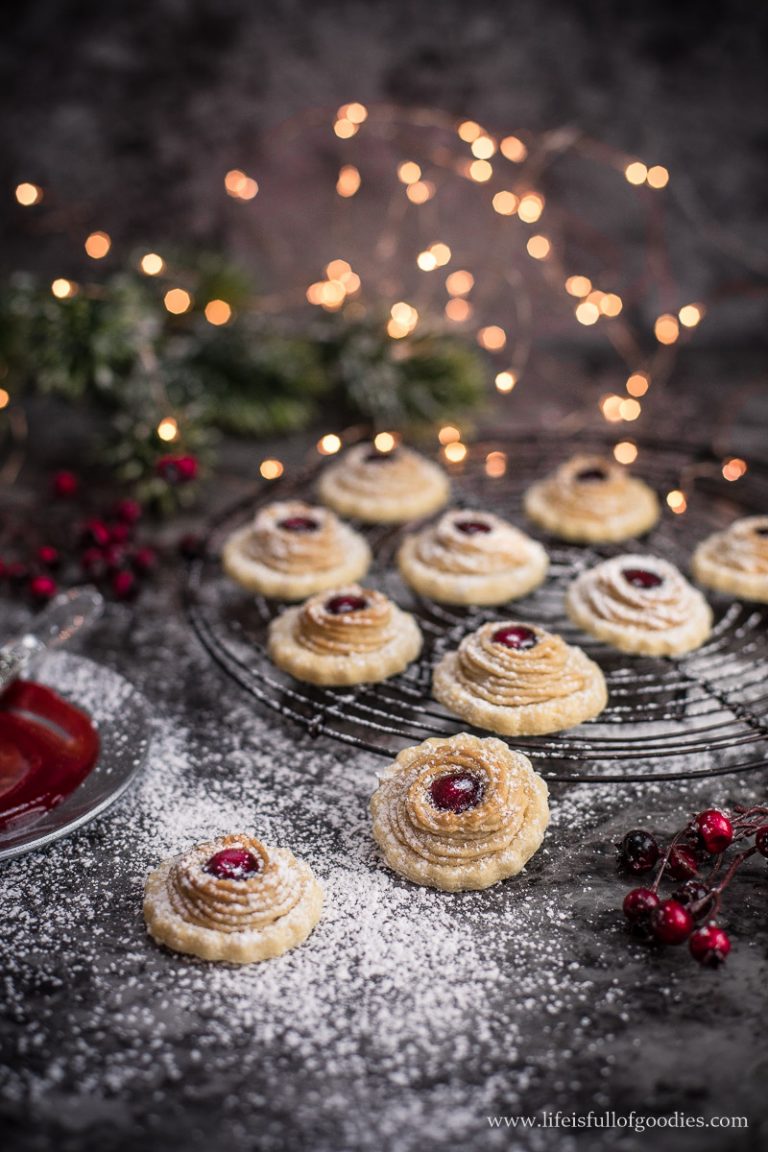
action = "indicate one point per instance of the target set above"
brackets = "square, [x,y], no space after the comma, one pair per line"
[704,714]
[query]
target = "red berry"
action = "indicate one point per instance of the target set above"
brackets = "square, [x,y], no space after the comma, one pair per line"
[16,572]
[49,556]
[638,851]
[515,636]
[129,511]
[187,467]
[695,896]
[671,922]
[715,830]
[709,945]
[120,532]
[343,605]
[144,559]
[124,584]
[94,533]
[639,903]
[65,484]
[42,588]
[190,546]
[114,557]
[682,863]
[92,561]
[761,840]
[233,864]
[456,791]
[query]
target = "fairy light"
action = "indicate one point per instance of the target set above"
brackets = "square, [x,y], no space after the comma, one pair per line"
[676,501]
[403,320]
[409,172]
[658,176]
[637,384]
[329,444]
[636,172]
[218,312]
[426,261]
[539,247]
[5,398]
[505,381]
[610,304]
[315,292]
[63,289]
[530,207]
[177,301]
[459,283]
[469,130]
[629,409]
[345,129]
[496,464]
[513,149]
[337,269]
[420,192]
[332,295]
[587,312]
[734,468]
[483,147]
[492,338]
[625,452]
[240,186]
[458,310]
[480,171]
[384,441]
[97,245]
[448,434]
[151,264]
[505,203]
[271,469]
[455,452]
[610,406]
[355,113]
[167,430]
[690,315]
[348,182]
[666,329]
[578,285]
[28,194]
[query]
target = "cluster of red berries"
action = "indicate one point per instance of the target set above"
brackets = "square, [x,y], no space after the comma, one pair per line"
[177,469]
[695,859]
[105,552]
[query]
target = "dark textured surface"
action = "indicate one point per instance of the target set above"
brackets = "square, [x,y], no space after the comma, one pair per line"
[108,1042]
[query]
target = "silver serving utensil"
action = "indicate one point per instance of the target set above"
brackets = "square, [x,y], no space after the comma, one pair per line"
[66,614]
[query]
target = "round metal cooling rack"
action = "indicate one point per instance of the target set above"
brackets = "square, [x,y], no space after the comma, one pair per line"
[705,714]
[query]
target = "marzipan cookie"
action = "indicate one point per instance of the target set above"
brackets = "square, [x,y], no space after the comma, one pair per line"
[349,636]
[292,550]
[232,899]
[459,813]
[640,604]
[591,500]
[470,557]
[383,487]
[736,561]
[519,680]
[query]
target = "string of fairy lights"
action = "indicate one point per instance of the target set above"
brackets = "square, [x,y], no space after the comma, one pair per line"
[507,171]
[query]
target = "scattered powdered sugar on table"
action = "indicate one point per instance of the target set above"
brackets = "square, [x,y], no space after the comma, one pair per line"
[406,1019]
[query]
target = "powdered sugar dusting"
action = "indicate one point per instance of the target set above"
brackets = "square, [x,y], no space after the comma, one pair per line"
[406,1019]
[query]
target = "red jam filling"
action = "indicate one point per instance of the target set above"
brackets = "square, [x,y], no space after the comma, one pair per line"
[342,605]
[374,457]
[642,578]
[762,531]
[233,864]
[456,792]
[515,636]
[47,748]
[591,475]
[472,527]
[298,524]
